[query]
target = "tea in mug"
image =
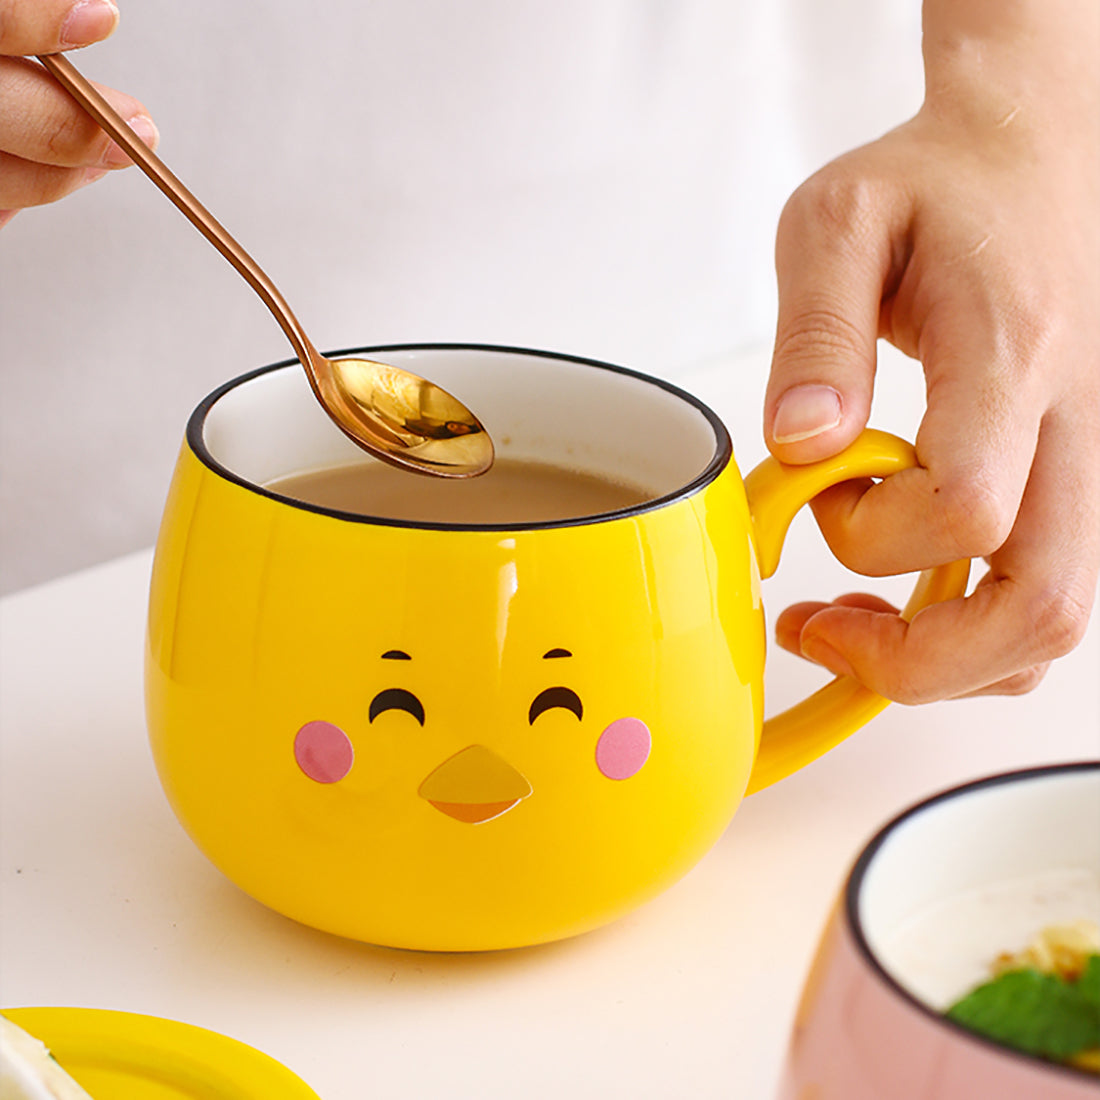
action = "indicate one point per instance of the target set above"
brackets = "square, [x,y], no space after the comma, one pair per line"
[513,491]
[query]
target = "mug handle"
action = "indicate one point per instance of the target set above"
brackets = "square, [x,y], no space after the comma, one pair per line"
[775,493]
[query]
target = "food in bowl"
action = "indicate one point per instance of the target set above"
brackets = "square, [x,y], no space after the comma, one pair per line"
[1043,1000]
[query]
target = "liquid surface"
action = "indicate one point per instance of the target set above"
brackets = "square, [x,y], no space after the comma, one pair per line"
[946,949]
[512,491]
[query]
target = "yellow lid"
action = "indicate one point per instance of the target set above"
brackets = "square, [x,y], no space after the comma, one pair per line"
[125,1056]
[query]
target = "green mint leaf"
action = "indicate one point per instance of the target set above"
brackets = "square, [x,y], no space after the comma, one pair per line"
[1033,1012]
[1088,985]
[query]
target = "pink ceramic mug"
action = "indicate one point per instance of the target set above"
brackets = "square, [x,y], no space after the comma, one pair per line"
[940,891]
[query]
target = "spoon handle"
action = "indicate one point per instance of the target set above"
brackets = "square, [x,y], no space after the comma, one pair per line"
[86,95]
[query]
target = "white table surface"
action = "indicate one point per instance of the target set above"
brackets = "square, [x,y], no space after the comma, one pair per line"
[104,901]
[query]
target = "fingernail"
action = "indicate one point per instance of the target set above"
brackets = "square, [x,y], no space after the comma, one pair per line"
[824,654]
[91,175]
[88,21]
[805,411]
[116,157]
[144,127]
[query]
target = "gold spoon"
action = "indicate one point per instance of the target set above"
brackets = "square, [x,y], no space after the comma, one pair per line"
[396,416]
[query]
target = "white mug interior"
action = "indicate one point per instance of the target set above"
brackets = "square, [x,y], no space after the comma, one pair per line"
[976,872]
[602,420]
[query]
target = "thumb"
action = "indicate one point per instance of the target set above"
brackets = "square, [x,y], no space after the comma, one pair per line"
[834,259]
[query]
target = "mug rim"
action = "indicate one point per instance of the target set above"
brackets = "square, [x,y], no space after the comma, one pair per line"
[723,451]
[858,873]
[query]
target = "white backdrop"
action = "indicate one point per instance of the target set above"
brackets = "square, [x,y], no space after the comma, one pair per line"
[600,177]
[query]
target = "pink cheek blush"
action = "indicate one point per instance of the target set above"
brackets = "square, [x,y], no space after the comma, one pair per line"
[323,752]
[623,748]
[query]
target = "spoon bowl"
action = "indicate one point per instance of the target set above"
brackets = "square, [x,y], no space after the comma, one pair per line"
[421,426]
[395,415]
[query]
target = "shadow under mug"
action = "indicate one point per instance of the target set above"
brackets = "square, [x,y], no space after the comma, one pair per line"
[455,737]
[935,896]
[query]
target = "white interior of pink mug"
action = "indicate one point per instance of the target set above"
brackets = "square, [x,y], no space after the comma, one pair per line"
[977,872]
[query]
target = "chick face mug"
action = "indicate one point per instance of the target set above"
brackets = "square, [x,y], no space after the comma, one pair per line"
[441,734]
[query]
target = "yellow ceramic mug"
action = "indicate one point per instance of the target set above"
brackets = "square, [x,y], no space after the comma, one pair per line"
[450,737]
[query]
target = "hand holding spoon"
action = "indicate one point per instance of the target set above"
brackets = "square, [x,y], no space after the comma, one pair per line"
[396,416]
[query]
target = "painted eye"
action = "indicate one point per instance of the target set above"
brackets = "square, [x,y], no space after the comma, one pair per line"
[555,697]
[397,699]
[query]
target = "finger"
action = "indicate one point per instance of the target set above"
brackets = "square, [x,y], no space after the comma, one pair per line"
[986,372]
[46,26]
[792,620]
[836,256]
[1019,684]
[45,124]
[24,183]
[1032,607]
[789,636]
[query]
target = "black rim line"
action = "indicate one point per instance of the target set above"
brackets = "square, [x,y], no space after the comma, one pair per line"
[722,454]
[863,862]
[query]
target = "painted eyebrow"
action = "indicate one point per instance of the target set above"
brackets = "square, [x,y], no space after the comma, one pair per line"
[397,699]
[556,653]
[555,697]
[395,655]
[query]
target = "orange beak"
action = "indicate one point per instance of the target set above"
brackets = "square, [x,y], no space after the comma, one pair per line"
[474,785]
